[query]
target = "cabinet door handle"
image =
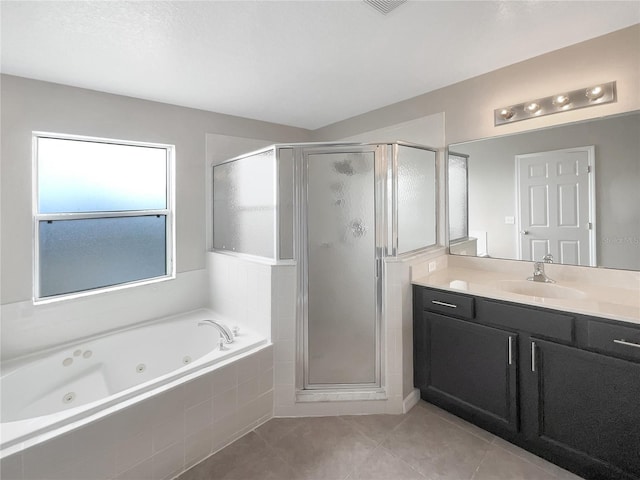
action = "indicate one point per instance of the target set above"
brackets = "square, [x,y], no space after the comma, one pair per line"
[510,350]
[533,356]
[628,344]
[444,304]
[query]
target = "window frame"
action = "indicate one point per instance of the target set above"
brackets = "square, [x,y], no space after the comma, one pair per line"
[168,213]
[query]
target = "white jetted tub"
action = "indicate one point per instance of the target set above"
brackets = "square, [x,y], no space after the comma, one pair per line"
[48,394]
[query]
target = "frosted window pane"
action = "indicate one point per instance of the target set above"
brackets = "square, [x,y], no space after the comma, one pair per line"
[416,198]
[85,254]
[458,204]
[82,176]
[244,207]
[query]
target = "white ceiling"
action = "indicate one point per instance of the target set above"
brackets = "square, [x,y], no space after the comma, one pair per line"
[300,63]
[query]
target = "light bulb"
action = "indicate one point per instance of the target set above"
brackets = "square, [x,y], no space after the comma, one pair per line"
[561,101]
[532,108]
[507,113]
[594,93]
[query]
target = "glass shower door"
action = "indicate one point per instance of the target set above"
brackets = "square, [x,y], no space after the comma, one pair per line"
[342,284]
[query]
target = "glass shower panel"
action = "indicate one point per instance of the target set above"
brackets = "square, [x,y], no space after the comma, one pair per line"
[244,205]
[416,194]
[458,197]
[342,301]
[285,202]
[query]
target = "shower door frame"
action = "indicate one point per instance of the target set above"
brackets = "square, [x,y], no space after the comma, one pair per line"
[301,159]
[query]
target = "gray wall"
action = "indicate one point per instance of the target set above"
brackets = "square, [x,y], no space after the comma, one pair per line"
[617,171]
[29,105]
[468,106]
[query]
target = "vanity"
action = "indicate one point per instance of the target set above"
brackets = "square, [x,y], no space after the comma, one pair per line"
[553,368]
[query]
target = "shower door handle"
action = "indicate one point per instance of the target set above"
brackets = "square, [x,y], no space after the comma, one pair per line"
[378,267]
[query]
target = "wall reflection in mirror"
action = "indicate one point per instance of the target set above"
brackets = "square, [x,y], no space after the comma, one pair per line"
[570,191]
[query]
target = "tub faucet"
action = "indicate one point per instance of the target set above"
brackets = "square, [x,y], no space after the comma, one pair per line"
[539,275]
[223,329]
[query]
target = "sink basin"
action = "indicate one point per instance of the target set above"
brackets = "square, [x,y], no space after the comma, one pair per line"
[539,289]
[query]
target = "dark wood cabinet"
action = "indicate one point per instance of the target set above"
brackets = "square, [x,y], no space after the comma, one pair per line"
[472,367]
[558,384]
[587,409]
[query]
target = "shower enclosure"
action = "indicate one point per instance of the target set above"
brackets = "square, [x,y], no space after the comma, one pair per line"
[338,210]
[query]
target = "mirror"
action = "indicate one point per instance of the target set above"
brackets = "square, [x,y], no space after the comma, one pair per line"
[570,191]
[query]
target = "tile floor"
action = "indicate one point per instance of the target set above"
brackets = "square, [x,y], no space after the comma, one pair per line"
[426,443]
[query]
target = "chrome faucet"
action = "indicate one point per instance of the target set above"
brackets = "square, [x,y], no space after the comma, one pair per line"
[539,275]
[226,333]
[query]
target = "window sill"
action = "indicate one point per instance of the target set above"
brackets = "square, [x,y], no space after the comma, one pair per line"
[99,291]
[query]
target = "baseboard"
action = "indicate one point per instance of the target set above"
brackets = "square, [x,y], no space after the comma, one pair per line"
[411,400]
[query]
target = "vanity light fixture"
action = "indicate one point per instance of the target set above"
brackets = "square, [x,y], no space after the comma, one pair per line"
[561,102]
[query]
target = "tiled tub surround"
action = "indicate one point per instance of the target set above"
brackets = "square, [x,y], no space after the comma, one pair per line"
[49,393]
[159,433]
[245,288]
[613,294]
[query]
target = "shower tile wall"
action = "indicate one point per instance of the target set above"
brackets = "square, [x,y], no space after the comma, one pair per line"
[161,436]
[264,296]
[284,339]
[240,290]
[27,328]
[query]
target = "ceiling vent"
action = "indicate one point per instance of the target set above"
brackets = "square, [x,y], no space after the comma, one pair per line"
[384,6]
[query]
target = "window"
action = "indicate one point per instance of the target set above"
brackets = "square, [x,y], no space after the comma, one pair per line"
[103,214]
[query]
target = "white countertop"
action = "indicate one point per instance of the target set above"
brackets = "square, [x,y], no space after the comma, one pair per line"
[606,299]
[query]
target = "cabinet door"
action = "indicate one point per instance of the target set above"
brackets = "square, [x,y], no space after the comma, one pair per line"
[471,370]
[588,406]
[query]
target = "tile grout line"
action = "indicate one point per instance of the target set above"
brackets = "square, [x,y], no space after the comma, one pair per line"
[458,427]
[467,430]
[403,461]
[359,431]
[522,457]
[397,427]
[380,445]
[272,448]
[480,463]
[493,443]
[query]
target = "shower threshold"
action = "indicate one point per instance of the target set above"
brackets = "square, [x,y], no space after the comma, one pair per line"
[341,395]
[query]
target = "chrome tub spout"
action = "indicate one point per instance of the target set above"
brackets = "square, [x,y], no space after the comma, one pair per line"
[222,328]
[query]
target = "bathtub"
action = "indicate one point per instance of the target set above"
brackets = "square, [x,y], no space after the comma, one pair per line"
[50,394]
